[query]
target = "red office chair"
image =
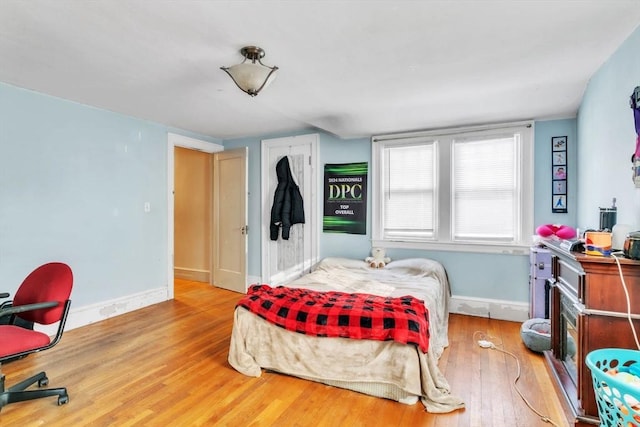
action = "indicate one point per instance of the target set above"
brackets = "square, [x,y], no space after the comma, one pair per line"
[42,298]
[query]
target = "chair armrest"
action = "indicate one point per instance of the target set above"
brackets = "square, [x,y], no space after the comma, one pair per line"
[27,307]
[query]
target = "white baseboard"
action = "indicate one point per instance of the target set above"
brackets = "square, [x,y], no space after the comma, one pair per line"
[85,315]
[252,280]
[82,316]
[191,274]
[494,309]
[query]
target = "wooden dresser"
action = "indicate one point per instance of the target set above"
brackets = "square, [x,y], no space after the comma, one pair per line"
[588,311]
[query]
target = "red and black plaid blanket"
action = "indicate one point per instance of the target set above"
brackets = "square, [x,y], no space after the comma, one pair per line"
[338,314]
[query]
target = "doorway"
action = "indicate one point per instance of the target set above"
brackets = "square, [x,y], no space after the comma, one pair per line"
[192,215]
[180,142]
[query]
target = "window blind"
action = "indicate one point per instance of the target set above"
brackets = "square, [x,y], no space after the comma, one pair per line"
[465,189]
[485,189]
[409,191]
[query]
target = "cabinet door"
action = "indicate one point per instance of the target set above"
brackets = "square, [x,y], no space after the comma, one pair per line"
[540,260]
[539,272]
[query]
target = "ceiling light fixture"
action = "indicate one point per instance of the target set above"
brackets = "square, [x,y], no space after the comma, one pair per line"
[251,75]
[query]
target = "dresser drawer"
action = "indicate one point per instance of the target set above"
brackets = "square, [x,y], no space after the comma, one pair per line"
[572,278]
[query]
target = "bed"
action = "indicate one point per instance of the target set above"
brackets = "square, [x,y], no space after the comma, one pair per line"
[387,369]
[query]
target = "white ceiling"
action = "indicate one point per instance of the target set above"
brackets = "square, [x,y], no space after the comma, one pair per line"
[350,68]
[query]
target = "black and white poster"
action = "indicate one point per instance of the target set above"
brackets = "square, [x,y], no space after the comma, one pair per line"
[559,174]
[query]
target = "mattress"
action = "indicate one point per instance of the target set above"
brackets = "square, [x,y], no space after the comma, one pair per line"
[380,368]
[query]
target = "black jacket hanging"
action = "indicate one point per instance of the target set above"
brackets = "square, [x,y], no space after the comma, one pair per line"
[287,206]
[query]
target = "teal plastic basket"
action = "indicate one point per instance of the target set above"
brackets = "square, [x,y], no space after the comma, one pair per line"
[618,401]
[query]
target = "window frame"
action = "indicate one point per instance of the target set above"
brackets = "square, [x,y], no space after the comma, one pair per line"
[444,138]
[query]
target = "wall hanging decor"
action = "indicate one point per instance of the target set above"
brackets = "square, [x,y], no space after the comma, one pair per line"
[345,198]
[559,171]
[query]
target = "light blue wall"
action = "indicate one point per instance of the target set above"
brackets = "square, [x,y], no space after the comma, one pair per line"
[503,276]
[73,183]
[335,150]
[544,131]
[254,207]
[506,277]
[607,139]
[332,150]
[74,180]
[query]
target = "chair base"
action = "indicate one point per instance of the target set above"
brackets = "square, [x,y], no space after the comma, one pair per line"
[18,392]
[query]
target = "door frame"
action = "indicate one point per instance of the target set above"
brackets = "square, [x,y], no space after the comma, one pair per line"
[173,141]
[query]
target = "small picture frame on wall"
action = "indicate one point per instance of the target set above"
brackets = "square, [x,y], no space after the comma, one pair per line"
[559,143]
[559,174]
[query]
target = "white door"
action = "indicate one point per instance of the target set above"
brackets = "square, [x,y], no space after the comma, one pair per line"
[286,260]
[230,192]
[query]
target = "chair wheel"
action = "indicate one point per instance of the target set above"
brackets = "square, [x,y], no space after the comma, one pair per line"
[43,382]
[62,400]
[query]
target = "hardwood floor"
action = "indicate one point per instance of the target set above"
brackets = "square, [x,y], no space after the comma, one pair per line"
[167,365]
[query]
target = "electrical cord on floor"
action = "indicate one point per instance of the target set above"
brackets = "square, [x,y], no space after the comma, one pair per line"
[484,343]
[626,294]
[486,339]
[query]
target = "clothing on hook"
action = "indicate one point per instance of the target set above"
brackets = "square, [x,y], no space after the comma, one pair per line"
[288,207]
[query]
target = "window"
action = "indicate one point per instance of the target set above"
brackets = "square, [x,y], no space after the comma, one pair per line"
[409,191]
[457,189]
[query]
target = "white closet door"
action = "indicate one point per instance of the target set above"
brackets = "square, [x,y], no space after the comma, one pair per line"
[286,260]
